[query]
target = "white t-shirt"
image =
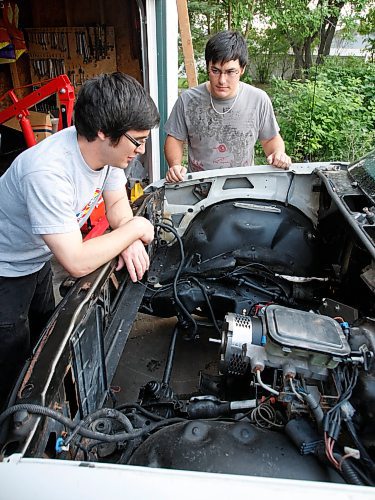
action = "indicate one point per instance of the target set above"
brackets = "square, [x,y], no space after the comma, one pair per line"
[48,189]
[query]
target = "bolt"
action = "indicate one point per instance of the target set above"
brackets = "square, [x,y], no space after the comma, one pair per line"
[20,418]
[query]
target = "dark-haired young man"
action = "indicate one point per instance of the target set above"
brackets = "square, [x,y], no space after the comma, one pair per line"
[223,118]
[48,193]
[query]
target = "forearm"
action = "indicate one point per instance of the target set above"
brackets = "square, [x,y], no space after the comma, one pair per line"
[173,150]
[118,218]
[97,251]
[274,145]
[274,150]
[82,257]
[118,210]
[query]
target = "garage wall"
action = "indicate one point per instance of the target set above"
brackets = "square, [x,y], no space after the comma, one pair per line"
[123,15]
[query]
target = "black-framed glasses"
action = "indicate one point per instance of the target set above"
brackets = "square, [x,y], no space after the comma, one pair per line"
[230,73]
[136,143]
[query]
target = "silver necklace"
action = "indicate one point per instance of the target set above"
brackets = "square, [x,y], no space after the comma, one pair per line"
[230,109]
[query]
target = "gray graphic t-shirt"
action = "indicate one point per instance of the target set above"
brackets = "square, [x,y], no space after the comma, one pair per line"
[218,140]
[48,189]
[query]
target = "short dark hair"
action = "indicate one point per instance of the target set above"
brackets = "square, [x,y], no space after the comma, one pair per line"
[226,46]
[113,103]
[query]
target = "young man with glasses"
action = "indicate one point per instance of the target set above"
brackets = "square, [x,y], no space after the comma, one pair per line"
[48,193]
[222,118]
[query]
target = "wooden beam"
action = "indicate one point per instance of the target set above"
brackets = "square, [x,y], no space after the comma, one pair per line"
[14,74]
[187,44]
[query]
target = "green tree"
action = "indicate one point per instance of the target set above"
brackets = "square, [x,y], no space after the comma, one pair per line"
[267,50]
[211,16]
[276,26]
[305,25]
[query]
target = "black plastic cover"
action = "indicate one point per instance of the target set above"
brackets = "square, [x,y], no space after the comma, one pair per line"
[229,448]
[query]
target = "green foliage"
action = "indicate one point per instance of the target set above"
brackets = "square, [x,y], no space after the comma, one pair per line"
[282,25]
[295,19]
[211,16]
[331,117]
[183,83]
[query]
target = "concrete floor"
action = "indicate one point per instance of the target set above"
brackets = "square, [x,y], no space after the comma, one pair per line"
[145,356]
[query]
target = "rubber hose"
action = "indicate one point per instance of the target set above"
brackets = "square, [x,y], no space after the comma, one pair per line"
[314,407]
[108,438]
[123,419]
[348,472]
[142,410]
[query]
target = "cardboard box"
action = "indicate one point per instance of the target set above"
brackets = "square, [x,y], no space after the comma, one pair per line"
[40,122]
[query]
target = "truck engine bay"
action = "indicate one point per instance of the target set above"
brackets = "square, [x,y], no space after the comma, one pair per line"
[261,287]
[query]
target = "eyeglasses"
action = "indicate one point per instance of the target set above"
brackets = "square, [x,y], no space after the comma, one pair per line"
[136,143]
[230,73]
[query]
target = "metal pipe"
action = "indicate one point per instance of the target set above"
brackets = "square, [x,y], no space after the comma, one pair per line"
[100,336]
[265,386]
[169,363]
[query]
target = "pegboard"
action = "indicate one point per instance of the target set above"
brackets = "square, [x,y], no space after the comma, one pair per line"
[78,52]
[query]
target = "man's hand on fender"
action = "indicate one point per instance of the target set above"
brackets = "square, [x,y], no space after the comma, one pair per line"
[280,160]
[136,260]
[175,173]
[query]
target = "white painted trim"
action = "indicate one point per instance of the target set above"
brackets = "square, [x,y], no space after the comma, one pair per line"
[22,478]
[153,83]
[171,71]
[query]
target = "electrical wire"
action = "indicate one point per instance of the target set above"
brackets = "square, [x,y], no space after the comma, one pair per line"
[83,431]
[265,386]
[329,444]
[348,468]
[168,223]
[346,379]
[264,273]
[364,455]
[298,396]
[140,409]
[205,294]
[286,202]
[250,284]
[162,288]
[102,413]
[256,265]
[345,457]
[264,416]
[187,314]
